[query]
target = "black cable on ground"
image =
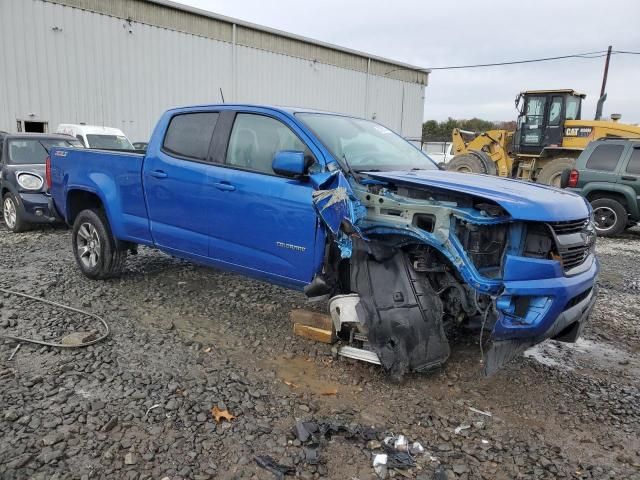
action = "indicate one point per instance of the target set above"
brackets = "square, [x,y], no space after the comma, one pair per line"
[64,307]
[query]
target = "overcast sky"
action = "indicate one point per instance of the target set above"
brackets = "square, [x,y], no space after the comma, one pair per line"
[431,34]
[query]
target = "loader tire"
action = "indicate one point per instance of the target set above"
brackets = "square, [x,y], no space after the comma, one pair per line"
[551,173]
[466,163]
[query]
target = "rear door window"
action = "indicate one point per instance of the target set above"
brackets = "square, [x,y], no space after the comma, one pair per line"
[605,157]
[189,134]
[634,162]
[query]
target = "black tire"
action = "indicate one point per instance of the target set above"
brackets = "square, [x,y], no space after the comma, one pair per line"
[104,259]
[466,163]
[551,173]
[12,215]
[610,217]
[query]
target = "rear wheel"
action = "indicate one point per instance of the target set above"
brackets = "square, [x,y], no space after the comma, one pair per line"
[11,214]
[551,173]
[610,216]
[94,247]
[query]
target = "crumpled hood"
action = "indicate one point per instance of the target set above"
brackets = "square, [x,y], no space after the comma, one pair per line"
[523,200]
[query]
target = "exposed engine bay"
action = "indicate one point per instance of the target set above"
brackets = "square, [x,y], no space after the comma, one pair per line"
[408,264]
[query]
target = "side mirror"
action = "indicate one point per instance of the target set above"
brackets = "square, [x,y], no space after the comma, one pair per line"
[290,163]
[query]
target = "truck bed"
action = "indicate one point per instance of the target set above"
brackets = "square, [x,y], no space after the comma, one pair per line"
[115,177]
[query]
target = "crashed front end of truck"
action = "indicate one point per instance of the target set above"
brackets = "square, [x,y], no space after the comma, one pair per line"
[408,261]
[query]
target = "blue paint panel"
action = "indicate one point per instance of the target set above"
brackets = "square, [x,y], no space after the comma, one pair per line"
[266,223]
[559,290]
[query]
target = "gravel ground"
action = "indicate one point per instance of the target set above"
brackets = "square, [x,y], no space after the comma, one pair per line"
[185,339]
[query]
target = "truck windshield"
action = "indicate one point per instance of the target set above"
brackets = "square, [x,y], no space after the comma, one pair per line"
[365,145]
[33,151]
[109,142]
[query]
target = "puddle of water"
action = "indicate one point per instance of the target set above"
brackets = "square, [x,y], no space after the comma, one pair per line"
[303,375]
[584,354]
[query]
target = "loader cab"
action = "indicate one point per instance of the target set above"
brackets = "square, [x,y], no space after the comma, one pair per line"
[541,118]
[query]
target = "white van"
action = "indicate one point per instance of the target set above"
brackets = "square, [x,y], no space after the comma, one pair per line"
[93,136]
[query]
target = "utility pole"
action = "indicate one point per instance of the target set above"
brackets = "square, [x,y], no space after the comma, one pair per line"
[606,72]
[603,94]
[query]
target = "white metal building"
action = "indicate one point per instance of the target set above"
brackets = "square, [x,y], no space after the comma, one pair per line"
[121,63]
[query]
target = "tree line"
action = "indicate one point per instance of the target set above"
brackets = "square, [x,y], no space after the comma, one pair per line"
[435,131]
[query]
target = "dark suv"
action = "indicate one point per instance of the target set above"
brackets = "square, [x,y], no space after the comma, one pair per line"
[607,173]
[23,190]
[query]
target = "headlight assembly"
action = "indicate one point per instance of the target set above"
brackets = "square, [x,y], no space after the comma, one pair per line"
[30,181]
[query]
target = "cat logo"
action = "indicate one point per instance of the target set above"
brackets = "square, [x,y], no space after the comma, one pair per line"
[577,131]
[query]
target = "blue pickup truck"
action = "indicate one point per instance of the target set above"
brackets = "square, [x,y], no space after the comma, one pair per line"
[345,210]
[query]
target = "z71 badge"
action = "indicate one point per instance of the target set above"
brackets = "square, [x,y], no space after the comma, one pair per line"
[577,131]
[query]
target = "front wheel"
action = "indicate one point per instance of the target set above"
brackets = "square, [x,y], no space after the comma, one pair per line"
[94,247]
[610,216]
[11,214]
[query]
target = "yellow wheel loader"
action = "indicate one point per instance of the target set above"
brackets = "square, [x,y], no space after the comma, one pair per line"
[549,137]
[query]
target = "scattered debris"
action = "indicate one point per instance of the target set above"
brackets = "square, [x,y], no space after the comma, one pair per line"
[311,454]
[311,318]
[14,352]
[220,415]
[374,445]
[329,392]
[475,410]
[380,465]
[290,384]
[416,448]
[313,333]
[130,459]
[151,408]
[269,464]
[462,427]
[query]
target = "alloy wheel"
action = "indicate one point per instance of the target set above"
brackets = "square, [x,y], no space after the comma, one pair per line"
[605,218]
[9,212]
[88,244]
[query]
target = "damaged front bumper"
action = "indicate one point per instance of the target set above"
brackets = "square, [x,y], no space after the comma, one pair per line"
[531,311]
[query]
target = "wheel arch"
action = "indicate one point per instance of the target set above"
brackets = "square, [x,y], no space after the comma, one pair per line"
[78,200]
[622,193]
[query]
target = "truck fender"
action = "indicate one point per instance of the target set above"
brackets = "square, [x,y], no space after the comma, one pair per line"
[106,190]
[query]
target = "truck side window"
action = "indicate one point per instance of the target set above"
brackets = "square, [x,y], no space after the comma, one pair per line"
[255,139]
[189,134]
[605,158]
[634,162]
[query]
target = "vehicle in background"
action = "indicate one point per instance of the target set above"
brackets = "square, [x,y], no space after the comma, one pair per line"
[141,146]
[24,194]
[343,209]
[439,152]
[549,136]
[607,173]
[94,136]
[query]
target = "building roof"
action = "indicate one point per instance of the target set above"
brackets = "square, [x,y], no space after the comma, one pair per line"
[176,16]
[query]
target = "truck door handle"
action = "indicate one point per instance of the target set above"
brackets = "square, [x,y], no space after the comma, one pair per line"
[158,174]
[224,186]
[631,179]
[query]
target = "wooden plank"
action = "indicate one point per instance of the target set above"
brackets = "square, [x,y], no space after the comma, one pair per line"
[313,333]
[311,318]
